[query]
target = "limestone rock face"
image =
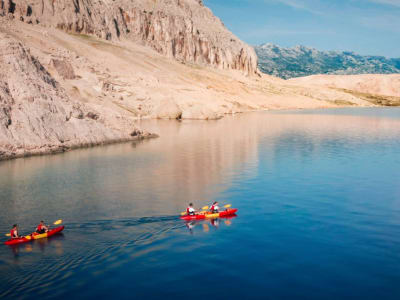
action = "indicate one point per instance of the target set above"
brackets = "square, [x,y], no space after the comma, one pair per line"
[36,114]
[183,29]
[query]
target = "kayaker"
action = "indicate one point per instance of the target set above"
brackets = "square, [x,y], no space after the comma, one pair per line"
[190,211]
[42,228]
[214,208]
[14,232]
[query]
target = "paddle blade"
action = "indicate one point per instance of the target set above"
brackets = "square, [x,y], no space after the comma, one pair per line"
[8,234]
[183,213]
[204,207]
[227,206]
[58,222]
[28,237]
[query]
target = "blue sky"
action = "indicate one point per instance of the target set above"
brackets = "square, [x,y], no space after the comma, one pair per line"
[370,27]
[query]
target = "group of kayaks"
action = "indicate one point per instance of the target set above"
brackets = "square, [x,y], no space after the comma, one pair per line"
[198,216]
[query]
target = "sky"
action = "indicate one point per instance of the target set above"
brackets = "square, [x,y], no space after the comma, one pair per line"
[368,27]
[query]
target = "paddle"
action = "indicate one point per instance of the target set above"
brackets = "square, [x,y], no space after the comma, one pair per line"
[58,222]
[203,208]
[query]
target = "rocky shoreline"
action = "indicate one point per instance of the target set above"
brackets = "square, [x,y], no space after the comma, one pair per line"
[51,149]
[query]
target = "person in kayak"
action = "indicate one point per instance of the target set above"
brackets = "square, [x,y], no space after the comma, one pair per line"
[190,211]
[14,232]
[214,208]
[42,228]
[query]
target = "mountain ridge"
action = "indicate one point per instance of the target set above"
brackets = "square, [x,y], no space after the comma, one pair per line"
[185,30]
[299,61]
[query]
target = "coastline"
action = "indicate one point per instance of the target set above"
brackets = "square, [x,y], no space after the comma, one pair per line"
[59,149]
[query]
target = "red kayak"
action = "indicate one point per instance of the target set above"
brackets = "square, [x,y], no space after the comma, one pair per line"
[34,236]
[210,215]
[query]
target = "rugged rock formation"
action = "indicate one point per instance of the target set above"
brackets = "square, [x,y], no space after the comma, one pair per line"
[183,29]
[304,61]
[36,114]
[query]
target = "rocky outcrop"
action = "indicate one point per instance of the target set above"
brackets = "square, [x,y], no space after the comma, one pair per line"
[64,69]
[183,29]
[167,109]
[36,114]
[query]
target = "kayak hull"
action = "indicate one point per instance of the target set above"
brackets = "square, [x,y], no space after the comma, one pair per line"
[34,236]
[208,215]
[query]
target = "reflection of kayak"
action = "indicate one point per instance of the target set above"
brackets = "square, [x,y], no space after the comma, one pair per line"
[209,215]
[34,236]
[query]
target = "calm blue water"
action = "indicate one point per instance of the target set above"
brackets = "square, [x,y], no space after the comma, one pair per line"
[318,194]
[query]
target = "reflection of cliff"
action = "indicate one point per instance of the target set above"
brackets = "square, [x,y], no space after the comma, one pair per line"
[200,159]
[191,161]
[306,135]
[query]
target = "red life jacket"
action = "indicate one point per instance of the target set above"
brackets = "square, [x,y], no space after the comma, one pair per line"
[40,227]
[187,210]
[214,207]
[13,233]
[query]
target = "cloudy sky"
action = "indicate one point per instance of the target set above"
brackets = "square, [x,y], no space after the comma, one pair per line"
[370,27]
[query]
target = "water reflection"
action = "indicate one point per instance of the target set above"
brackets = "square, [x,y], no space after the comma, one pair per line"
[205,224]
[40,245]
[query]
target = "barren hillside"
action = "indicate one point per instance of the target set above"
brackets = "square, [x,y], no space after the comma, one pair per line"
[376,88]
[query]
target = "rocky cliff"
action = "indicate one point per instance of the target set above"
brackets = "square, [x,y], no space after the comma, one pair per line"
[183,29]
[36,114]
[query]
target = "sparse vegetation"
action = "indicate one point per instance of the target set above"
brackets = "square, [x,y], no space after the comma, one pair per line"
[343,102]
[375,99]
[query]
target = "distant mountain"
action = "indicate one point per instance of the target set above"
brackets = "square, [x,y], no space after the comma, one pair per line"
[303,61]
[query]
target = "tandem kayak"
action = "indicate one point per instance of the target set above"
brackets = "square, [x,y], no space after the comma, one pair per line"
[34,236]
[210,215]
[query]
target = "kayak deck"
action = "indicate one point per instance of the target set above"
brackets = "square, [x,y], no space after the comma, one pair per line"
[34,236]
[209,215]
